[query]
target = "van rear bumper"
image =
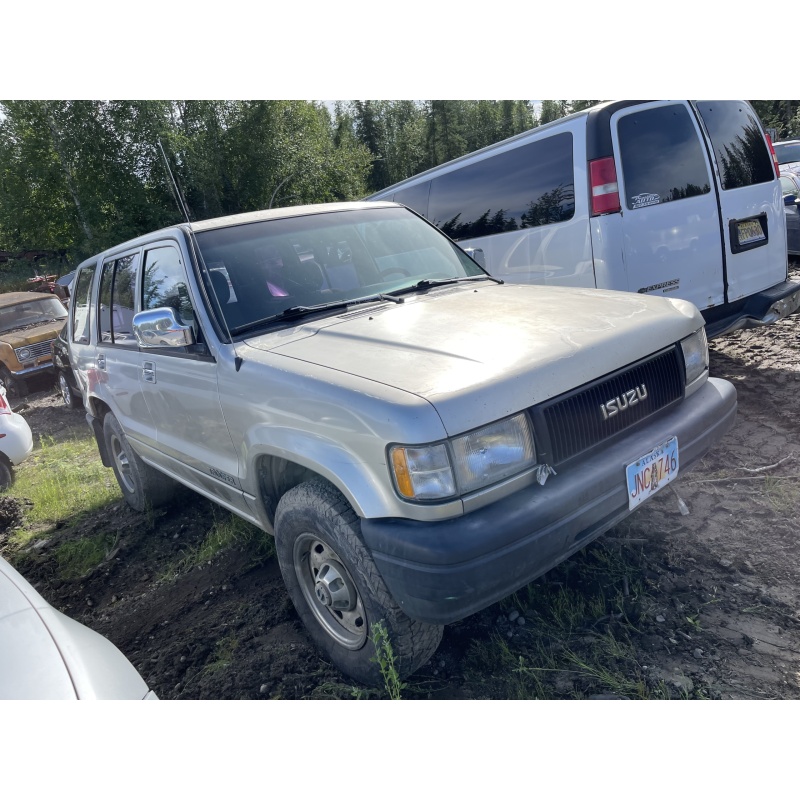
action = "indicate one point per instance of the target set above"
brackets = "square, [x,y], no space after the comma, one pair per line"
[440,572]
[762,308]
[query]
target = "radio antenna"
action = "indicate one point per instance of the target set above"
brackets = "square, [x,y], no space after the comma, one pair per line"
[173,185]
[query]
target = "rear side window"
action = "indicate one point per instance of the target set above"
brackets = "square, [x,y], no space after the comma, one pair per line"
[531,185]
[661,155]
[117,300]
[739,145]
[81,297]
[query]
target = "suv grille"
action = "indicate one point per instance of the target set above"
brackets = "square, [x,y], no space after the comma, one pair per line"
[37,350]
[573,423]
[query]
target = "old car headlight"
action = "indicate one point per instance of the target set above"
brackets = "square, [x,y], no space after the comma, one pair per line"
[695,355]
[466,463]
[492,453]
[23,353]
[423,473]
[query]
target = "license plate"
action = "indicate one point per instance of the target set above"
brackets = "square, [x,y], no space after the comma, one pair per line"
[750,231]
[652,471]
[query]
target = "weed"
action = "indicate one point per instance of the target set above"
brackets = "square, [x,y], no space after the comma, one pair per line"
[385,659]
[225,533]
[77,558]
[63,480]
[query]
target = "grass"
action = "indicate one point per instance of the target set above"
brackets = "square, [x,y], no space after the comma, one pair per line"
[578,640]
[227,531]
[77,558]
[385,659]
[63,480]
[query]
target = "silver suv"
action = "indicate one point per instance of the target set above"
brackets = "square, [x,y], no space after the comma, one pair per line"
[421,438]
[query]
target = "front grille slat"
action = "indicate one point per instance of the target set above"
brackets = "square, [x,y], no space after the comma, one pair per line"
[37,350]
[573,423]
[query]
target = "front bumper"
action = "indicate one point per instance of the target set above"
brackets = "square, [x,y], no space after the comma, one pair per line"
[440,572]
[763,308]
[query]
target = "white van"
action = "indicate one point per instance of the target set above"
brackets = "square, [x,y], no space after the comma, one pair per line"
[670,197]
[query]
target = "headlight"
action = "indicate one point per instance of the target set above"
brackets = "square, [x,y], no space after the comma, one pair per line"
[695,355]
[466,463]
[23,354]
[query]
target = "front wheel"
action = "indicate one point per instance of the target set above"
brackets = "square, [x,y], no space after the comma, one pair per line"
[142,486]
[337,589]
[14,386]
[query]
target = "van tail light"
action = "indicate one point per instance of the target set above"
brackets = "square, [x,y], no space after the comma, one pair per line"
[774,156]
[605,191]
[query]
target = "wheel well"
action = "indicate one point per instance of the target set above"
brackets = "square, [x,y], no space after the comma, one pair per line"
[276,476]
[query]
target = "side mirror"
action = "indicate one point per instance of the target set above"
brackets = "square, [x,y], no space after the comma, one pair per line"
[159,327]
[476,254]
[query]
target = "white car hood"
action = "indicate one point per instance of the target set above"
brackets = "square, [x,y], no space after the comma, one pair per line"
[482,352]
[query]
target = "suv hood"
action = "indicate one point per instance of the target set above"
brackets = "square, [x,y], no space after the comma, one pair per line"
[481,353]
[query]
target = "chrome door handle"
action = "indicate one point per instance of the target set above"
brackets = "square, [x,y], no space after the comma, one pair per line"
[149,371]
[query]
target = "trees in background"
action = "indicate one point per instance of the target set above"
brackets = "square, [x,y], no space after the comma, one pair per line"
[77,176]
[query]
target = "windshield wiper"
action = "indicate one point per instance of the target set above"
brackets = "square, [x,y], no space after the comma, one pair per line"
[302,311]
[427,283]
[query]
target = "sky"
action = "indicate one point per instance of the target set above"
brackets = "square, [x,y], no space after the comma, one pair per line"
[355,49]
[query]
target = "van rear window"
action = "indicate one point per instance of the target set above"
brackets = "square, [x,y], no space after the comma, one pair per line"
[661,155]
[739,144]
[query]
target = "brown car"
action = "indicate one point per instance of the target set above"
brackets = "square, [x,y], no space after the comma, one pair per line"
[29,324]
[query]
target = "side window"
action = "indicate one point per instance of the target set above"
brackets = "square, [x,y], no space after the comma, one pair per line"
[739,145]
[165,283]
[415,197]
[117,300]
[525,187]
[81,304]
[662,158]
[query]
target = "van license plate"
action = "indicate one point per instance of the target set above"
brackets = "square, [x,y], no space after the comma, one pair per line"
[652,471]
[749,231]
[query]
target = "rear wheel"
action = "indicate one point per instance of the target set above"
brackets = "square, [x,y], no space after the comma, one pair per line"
[70,397]
[6,476]
[337,589]
[142,486]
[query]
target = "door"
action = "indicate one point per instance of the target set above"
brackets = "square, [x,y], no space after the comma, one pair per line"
[180,387]
[753,219]
[670,217]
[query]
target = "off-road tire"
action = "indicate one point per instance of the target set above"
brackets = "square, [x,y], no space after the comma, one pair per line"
[141,485]
[316,513]
[68,395]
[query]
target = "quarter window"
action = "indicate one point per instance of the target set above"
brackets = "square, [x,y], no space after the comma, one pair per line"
[661,155]
[81,304]
[524,187]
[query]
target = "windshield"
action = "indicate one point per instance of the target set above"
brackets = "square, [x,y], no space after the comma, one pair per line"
[261,269]
[787,152]
[30,313]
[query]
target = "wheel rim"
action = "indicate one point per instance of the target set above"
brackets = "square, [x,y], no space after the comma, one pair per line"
[122,463]
[66,392]
[330,592]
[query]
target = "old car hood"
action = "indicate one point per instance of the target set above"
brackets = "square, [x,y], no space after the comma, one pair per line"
[38,333]
[481,352]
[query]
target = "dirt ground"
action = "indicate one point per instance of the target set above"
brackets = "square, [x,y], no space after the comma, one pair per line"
[723,580]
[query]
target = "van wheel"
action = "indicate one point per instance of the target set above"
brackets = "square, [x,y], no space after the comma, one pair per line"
[336,588]
[142,486]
